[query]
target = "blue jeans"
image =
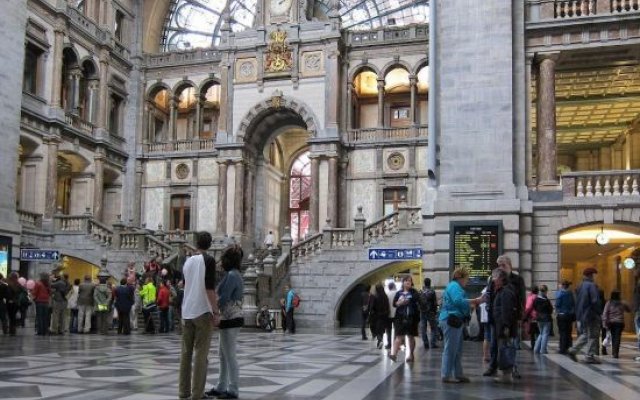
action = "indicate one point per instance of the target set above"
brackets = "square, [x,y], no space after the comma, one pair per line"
[543,337]
[428,319]
[452,353]
[229,372]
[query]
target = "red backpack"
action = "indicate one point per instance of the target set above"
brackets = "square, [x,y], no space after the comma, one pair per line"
[296,300]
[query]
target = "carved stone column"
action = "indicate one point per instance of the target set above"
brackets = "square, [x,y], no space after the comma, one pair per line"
[75,90]
[238,212]
[224,90]
[349,123]
[248,195]
[413,82]
[104,90]
[56,87]
[381,103]
[137,205]
[314,203]
[173,109]
[98,185]
[221,224]
[199,111]
[52,178]
[332,192]
[527,138]
[546,129]
[93,88]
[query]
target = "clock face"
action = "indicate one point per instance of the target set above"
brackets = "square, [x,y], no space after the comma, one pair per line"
[629,263]
[279,7]
[602,239]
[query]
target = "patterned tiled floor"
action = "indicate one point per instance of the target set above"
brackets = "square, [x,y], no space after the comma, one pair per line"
[275,366]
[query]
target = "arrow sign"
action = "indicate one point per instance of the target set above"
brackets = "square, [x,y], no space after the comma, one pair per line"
[395,254]
[39,255]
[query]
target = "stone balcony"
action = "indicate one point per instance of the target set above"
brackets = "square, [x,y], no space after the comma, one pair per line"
[601,185]
[547,10]
[180,146]
[377,135]
[387,35]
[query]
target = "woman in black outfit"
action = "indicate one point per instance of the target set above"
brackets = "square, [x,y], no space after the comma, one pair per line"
[407,317]
[379,313]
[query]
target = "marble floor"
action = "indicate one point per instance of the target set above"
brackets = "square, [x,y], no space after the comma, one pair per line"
[302,366]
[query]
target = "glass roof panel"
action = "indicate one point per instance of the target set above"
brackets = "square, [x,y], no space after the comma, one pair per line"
[196,23]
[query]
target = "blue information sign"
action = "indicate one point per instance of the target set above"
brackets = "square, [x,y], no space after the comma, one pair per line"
[39,255]
[395,254]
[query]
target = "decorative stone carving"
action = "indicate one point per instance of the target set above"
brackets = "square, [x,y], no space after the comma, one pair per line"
[182,171]
[395,161]
[246,70]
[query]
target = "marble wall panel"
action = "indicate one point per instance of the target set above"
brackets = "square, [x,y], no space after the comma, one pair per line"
[363,161]
[323,178]
[153,212]
[155,171]
[208,170]
[207,208]
[364,194]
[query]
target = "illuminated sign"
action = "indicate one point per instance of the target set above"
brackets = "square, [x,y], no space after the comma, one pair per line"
[5,255]
[476,245]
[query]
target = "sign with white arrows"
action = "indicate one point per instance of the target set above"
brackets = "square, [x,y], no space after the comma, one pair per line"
[395,254]
[39,255]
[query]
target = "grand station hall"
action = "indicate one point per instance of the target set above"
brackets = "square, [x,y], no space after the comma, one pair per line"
[443,147]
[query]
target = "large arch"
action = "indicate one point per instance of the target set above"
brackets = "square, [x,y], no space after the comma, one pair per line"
[266,107]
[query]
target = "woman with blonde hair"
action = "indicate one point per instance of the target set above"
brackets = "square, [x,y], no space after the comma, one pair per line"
[455,309]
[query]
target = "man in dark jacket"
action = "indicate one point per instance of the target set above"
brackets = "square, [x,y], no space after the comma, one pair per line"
[589,316]
[59,290]
[636,308]
[517,285]
[505,323]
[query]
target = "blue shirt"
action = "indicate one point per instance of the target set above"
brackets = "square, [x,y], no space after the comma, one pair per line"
[454,301]
[289,299]
[565,303]
[230,288]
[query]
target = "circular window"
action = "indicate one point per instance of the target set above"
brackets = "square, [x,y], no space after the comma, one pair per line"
[395,161]
[182,171]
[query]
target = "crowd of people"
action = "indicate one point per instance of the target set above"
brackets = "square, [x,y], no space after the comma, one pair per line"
[507,314]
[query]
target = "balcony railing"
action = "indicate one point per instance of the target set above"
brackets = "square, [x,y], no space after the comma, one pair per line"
[388,34]
[78,123]
[29,219]
[541,10]
[180,146]
[377,134]
[601,184]
[182,57]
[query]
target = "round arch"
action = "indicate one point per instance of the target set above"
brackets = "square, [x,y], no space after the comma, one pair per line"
[182,85]
[424,62]
[265,107]
[361,68]
[70,50]
[156,87]
[395,64]
[206,84]
[94,71]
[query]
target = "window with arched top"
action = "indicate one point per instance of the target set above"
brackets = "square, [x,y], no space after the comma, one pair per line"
[299,195]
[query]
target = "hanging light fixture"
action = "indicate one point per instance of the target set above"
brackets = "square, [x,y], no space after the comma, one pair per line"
[602,238]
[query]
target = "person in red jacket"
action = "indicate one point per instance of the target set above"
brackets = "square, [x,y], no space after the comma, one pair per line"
[163,302]
[41,293]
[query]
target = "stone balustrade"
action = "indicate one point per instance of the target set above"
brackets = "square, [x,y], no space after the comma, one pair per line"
[601,184]
[71,223]
[410,217]
[388,34]
[542,10]
[182,57]
[180,146]
[381,134]
[78,123]
[378,230]
[29,219]
[307,248]
[337,238]
[85,24]
[100,232]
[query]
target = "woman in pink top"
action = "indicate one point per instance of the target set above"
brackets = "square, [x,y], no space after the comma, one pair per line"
[530,316]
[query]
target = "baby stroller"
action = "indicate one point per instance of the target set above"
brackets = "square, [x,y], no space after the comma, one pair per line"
[265,321]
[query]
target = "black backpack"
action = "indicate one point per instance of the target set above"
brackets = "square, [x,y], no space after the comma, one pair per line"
[427,301]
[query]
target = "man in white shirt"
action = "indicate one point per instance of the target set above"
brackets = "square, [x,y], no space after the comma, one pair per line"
[391,293]
[200,315]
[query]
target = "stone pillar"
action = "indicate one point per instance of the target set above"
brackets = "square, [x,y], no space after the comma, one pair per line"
[221,136]
[199,114]
[221,224]
[173,107]
[56,87]
[98,185]
[104,90]
[413,110]
[75,90]
[332,89]
[380,102]
[238,212]
[349,123]
[248,195]
[314,224]
[527,111]
[137,205]
[332,192]
[52,178]
[546,134]
[93,87]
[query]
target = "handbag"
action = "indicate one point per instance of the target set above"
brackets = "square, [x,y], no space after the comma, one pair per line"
[607,339]
[506,356]
[454,321]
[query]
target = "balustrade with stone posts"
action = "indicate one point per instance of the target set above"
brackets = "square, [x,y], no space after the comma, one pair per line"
[601,184]
[30,219]
[180,146]
[378,134]
[541,10]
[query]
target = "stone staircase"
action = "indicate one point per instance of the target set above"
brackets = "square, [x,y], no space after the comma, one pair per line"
[325,267]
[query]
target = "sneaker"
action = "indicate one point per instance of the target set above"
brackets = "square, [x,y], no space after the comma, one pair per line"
[393,357]
[213,393]
[489,372]
[227,395]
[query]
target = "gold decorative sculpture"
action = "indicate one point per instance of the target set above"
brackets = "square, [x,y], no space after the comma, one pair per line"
[279,57]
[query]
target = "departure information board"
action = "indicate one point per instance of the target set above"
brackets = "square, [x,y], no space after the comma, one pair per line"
[476,245]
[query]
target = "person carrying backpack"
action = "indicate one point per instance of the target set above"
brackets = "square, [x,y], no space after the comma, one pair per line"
[428,306]
[544,311]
